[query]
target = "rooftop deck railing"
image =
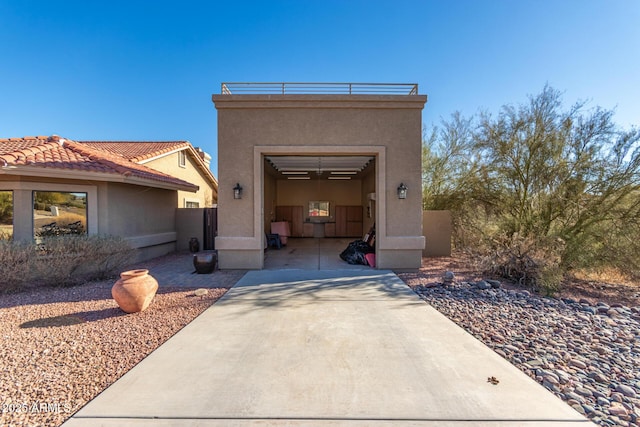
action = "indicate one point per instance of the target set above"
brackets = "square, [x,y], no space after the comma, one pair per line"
[320,88]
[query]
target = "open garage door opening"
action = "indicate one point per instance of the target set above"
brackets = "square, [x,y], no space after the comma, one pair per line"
[321,196]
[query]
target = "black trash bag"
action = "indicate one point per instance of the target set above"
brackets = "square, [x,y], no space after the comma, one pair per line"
[355,252]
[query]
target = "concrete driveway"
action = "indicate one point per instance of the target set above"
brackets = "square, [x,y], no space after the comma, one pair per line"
[324,348]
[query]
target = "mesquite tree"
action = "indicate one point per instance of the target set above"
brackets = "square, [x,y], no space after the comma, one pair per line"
[553,189]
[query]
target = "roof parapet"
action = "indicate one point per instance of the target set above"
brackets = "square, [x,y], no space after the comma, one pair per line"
[239,88]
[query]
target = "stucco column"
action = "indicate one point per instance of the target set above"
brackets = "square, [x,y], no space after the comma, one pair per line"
[23,215]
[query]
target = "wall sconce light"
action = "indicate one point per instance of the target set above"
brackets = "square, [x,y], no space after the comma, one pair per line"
[237,191]
[402,191]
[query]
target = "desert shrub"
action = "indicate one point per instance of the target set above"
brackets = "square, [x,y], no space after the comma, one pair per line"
[109,256]
[15,263]
[69,260]
[535,175]
[61,261]
[532,262]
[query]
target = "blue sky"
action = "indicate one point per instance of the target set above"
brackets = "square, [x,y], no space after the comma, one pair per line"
[146,70]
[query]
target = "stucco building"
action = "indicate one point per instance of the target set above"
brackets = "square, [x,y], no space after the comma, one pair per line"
[118,190]
[330,159]
[179,159]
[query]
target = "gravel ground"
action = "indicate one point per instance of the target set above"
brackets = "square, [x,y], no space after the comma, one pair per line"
[586,353]
[61,347]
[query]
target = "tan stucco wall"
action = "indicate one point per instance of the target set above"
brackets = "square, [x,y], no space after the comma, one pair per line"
[438,228]
[189,223]
[145,216]
[168,164]
[386,126]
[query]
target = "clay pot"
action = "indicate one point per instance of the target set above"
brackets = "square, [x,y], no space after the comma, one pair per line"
[205,263]
[194,245]
[135,290]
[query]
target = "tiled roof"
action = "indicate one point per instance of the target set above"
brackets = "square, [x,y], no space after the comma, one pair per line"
[141,151]
[62,154]
[137,151]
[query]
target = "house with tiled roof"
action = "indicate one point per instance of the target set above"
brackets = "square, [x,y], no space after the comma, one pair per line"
[176,158]
[116,191]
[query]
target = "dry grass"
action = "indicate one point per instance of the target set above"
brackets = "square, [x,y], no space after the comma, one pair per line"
[62,220]
[606,275]
[66,218]
[609,286]
[6,232]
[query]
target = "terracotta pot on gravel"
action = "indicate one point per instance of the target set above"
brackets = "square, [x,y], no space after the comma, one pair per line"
[135,290]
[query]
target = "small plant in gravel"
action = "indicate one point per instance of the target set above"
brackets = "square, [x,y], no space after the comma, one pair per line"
[61,261]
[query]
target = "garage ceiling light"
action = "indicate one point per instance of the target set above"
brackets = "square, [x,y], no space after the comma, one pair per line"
[298,177]
[344,172]
[339,177]
[319,164]
[294,172]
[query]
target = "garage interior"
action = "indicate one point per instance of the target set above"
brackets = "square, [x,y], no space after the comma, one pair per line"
[327,202]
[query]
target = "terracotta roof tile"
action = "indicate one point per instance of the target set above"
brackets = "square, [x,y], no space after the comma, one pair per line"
[137,151]
[59,153]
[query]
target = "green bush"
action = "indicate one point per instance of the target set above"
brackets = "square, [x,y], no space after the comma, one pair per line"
[6,207]
[61,261]
[536,174]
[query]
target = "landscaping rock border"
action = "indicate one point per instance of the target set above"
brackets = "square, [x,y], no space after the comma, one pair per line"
[586,354]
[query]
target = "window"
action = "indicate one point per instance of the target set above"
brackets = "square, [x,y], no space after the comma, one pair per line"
[56,213]
[6,215]
[182,159]
[318,208]
[190,204]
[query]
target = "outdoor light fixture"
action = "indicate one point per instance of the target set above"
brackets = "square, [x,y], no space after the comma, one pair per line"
[402,191]
[237,191]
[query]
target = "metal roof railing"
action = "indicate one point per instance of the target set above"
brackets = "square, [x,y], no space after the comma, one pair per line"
[320,88]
